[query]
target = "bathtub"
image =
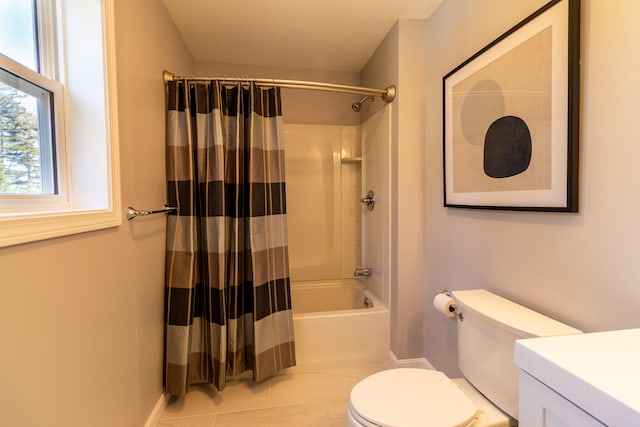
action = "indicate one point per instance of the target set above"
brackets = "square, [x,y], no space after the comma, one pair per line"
[337,320]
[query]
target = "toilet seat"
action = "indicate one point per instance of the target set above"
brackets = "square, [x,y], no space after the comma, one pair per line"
[410,397]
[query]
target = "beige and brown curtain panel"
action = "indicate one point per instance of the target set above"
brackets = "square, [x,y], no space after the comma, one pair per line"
[227,304]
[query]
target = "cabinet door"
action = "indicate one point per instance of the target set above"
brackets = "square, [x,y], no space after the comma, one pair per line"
[540,406]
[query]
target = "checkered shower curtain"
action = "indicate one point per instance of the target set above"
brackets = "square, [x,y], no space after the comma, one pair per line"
[227,303]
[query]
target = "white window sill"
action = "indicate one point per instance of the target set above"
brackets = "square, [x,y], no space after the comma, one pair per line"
[33,227]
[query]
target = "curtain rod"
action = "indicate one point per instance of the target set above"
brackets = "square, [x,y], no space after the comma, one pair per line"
[387,94]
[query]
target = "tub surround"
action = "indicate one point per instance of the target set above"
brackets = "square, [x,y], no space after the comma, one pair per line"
[323,195]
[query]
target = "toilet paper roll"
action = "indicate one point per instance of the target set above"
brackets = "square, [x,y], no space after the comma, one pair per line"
[445,305]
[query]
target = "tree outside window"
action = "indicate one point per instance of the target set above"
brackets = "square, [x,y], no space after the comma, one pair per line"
[19,144]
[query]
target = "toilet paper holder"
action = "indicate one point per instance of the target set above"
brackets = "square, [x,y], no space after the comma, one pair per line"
[454,307]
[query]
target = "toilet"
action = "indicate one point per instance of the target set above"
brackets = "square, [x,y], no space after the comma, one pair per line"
[487,396]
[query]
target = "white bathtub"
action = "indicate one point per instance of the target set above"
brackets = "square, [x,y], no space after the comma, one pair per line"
[337,320]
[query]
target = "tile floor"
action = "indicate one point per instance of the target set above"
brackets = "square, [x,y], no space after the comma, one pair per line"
[300,396]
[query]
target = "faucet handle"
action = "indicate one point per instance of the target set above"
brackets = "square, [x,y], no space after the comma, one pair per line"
[362,272]
[369,200]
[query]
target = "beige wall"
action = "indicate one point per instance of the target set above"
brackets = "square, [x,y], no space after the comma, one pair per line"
[81,316]
[578,268]
[400,59]
[299,106]
[147,43]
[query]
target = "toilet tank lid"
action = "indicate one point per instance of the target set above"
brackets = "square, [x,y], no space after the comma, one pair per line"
[510,316]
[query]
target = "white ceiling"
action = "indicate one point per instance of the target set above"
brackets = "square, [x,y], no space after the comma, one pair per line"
[337,35]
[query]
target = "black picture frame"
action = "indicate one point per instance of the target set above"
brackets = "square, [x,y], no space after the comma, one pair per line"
[511,118]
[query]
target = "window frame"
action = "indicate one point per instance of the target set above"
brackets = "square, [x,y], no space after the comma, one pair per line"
[36,218]
[57,155]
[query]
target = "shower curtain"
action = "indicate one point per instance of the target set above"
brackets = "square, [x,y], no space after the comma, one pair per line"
[227,302]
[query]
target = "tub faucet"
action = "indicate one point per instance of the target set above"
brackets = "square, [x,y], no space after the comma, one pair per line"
[362,272]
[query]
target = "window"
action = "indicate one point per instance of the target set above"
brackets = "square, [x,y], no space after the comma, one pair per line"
[26,143]
[29,156]
[18,32]
[58,145]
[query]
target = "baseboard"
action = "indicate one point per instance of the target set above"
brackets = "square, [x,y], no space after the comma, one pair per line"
[409,363]
[155,415]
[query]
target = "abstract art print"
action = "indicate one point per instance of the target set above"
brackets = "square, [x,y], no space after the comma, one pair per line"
[511,115]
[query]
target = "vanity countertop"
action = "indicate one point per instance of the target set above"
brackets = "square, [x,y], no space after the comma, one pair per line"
[599,372]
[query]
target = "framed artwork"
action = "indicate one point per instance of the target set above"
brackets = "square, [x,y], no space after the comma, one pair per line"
[511,116]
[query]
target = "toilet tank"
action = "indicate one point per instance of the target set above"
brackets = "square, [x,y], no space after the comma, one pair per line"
[487,330]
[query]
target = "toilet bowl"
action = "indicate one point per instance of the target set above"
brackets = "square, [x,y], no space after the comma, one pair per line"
[408,397]
[488,327]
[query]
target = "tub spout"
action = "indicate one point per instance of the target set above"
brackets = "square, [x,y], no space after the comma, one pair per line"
[362,272]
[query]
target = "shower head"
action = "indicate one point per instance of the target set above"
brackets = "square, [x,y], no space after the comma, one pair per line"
[356,106]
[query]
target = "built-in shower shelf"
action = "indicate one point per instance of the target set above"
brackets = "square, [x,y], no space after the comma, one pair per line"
[351,160]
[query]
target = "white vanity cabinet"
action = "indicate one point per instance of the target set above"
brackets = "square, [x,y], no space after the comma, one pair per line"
[584,380]
[540,406]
